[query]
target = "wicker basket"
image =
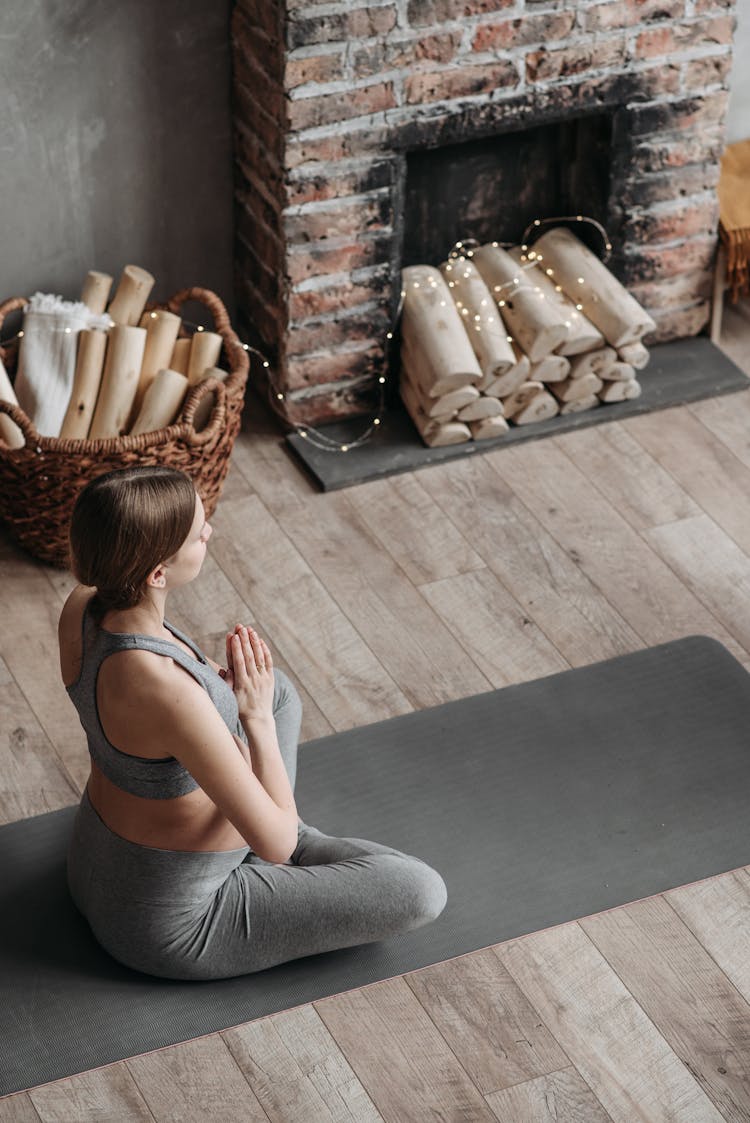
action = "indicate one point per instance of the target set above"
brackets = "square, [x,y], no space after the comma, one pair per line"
[39,482]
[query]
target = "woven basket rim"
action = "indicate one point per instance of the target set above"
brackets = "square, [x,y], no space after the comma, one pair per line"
[183,431]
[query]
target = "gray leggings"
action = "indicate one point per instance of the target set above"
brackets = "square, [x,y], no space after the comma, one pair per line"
[212,915]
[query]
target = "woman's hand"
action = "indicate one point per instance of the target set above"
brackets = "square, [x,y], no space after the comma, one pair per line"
[250,673]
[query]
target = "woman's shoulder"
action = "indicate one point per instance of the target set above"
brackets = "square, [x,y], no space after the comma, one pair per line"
[69,632]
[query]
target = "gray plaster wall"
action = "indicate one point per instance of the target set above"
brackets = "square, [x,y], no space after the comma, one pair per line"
[115,143]
[738,116]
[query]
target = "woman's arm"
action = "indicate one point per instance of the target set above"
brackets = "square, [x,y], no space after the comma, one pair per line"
[168,698]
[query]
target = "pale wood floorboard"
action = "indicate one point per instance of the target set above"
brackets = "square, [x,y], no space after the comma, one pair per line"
[400,594]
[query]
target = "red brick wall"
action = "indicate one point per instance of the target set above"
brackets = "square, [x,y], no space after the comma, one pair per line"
[330,97]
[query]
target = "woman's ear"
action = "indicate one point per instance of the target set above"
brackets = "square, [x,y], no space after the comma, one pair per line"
[157,579]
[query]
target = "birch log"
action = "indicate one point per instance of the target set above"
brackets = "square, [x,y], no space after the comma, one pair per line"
[86,382]
[536,324]
[582,334]
[487,332]
[620,391]
[415,369]
[488,427]
[205,406]
[95,292]
[540,407]
[161,402]
[521,397]
[636,354]
[161,334]
[618,372]
[122,367]
[515,377]
[9,431]
[580,405]
[180,356]
[552,369]
[573,388]
[587,281]
[431,326]
[205,348]
[481,408]
[593,362]
[433,433]
[133,291]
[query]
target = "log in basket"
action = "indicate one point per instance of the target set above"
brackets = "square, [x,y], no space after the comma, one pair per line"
[40,481]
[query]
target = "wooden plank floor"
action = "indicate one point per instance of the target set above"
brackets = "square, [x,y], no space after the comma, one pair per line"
[404,593]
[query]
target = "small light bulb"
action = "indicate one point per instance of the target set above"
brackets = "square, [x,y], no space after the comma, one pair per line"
[266,363]
[495,244]
[537,222]
[477,317]
[515,280]
[579,307]
[389,335]
[558,288]
[501,303]
[381,379]
[522,247]
[416,284]
[580,280]
[442,304]
[509,338]
[153,315]
[246,346]
[345,448]
[200,327]
[376,421]
[68,331]
[279,396]
[20,334]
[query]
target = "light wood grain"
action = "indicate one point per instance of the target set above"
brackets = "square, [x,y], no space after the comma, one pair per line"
[716,479]
[561,1096]
[403,1062]
[727,417]
[18,1109]
[409,639]
[394,509]
[547,584]
[622,1057]
[33,779]
[674,981]
[488,1023]
[297,1071]
[293,608]
[634,579]
[104,1095]
[195,1080]
[29,610]
[514,650]
[633,480]
[717,911]
[710,563]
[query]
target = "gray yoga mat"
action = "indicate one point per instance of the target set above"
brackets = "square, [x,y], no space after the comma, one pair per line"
[538,803]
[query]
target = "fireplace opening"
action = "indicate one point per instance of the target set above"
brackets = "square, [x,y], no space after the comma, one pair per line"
[492,189]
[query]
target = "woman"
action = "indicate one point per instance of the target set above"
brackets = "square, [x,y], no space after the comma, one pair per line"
[188,858]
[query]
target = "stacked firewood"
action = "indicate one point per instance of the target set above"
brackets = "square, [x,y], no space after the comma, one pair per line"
[516,336]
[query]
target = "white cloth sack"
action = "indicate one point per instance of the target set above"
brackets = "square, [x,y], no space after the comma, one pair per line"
[47,357]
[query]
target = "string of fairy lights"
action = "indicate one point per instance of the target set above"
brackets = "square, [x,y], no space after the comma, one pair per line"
[462,251]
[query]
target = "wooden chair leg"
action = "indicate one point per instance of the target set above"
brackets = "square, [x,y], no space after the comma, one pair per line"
[717,299]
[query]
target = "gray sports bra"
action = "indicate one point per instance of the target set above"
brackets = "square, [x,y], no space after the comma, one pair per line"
[163,778]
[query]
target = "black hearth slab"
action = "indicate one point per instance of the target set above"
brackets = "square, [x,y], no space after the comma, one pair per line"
[685,370]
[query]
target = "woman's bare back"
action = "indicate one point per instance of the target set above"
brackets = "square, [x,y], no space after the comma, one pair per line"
[188,822]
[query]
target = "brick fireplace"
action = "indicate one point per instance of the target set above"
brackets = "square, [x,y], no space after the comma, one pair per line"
[344,116]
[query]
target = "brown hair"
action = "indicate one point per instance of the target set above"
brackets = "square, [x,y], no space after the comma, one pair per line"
[124,524]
